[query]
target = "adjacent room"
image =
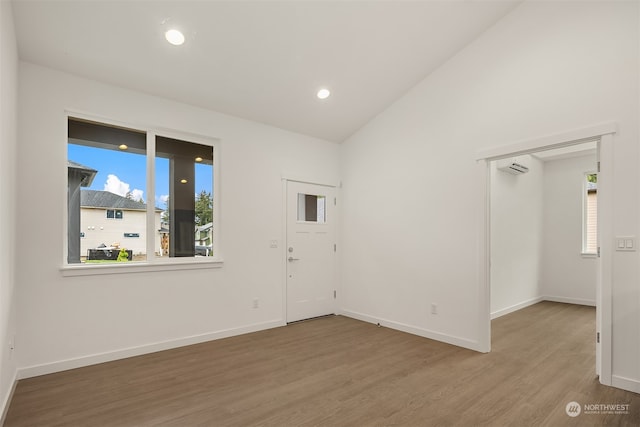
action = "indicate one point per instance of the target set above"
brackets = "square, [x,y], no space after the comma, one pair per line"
[544,234]
[544,228]
[185,184]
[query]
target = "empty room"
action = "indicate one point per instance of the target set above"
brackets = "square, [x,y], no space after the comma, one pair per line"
[284,213]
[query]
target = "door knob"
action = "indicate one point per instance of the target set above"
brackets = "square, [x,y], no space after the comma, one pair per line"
[293,259]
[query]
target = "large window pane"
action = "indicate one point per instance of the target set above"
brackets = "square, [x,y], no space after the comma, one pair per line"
[106,168]
[184,189]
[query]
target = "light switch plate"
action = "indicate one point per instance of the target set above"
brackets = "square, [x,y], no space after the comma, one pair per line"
[626,243]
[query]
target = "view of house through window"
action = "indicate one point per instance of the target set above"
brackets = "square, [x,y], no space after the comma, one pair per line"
[590,238]
[108,196]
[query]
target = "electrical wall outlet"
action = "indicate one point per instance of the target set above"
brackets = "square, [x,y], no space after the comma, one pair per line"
[256,303]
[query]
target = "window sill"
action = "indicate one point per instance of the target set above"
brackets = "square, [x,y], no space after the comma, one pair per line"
[139,267]
[589,255]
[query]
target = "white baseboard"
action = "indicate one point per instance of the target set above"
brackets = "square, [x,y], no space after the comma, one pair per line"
[437,336]
[532,301]
[515,307]
[578,301]
[625,383]
[7,398]
[93,359]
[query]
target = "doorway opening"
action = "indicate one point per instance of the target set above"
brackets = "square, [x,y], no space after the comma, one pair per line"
[544,228]
[536,150]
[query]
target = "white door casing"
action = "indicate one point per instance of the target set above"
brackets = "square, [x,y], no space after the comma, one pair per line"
[604,133]
[310,250]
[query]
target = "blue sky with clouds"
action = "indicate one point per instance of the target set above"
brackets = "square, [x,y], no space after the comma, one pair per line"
[120,172]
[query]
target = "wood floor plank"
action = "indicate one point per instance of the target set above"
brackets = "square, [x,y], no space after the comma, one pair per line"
[338,371]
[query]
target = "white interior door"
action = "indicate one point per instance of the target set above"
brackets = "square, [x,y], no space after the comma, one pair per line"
[310,250]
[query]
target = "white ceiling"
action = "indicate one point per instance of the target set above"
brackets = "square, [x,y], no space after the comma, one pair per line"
[259,60]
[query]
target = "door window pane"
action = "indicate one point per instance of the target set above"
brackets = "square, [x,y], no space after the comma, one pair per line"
[311,208]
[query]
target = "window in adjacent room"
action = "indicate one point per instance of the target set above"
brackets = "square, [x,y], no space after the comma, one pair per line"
[590,214]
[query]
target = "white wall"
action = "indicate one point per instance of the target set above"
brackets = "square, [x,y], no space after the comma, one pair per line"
[410,212]
[516,236]
[567,276]
[8,196]
[71,321]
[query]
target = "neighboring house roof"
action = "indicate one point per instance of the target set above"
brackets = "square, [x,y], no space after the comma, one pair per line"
[85,171]
[107,200]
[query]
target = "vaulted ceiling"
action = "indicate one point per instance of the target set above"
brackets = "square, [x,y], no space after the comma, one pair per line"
[259,60]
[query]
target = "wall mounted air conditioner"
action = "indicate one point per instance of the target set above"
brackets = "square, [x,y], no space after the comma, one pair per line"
[513,168]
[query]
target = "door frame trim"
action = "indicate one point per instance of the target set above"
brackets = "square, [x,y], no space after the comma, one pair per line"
[604,132]
[548,142]
[315,181]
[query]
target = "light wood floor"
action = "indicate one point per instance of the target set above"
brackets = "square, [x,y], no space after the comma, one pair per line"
[337,371]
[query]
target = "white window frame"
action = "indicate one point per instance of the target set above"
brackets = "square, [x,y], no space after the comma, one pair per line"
[584,252]
[152,262]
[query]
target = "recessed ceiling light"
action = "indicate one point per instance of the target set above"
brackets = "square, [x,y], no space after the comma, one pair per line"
[323,93]
[174,37]
[198,159]
[123,146]
[183,181]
